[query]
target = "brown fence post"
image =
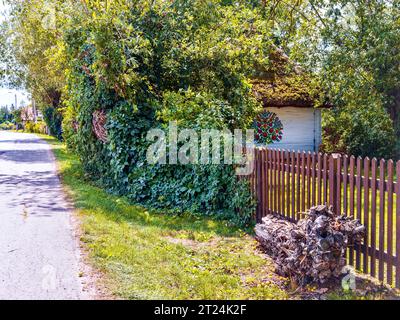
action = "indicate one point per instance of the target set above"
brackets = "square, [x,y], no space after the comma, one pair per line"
[397,273]
[258,184]
[333,181]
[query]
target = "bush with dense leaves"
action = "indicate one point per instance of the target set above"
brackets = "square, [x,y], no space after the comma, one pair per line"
[53,119]
[7,126]
[38,127]
[188,61]
[365,132]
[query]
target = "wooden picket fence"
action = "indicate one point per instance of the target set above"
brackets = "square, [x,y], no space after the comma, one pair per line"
[288,183]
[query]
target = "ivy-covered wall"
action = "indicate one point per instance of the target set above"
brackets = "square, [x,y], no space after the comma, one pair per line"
[185,61]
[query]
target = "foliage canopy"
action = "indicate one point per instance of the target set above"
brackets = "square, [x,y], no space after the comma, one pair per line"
[146,63]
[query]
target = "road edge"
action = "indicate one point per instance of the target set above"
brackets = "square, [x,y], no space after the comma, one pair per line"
[90,277]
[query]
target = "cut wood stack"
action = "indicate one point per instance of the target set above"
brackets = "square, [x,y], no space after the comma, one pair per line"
[313,249]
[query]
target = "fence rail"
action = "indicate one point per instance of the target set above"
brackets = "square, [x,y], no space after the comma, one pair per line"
[288,183]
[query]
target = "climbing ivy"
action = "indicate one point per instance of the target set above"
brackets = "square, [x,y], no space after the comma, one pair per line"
[146,64]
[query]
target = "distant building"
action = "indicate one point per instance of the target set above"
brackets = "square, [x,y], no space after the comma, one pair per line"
[292,112]
[31,114]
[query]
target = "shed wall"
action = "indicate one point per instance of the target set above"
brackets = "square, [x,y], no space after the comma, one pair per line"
[301,128]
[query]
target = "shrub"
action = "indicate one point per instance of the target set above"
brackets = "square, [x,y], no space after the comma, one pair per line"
[362,131]
[53,119]
[188,61]
[7,126]
[38,127]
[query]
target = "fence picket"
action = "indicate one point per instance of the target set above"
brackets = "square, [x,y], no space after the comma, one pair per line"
[314,182]
[338,202]
[292,172]
[289,182]
[303,182]
[358,205]
[274,181]
[278,174]
[398,224]
[373,216]
[288,161]
[381,218]
[331,179]
[325,178]
[389,274]
[366,213]
[283,157]
[308,175]
[319,175]
[271,187]
[352,160]
[298,209]
[258,185]
[345,184]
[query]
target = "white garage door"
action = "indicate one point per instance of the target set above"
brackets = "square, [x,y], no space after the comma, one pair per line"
[301,128]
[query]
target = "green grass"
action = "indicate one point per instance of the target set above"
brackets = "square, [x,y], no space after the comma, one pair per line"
[150,255]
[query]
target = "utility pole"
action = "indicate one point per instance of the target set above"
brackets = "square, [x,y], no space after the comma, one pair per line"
[34,110]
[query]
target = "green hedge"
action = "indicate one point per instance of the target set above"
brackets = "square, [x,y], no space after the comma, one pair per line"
[188,61]
[7,126]
[53,119]
[38,127]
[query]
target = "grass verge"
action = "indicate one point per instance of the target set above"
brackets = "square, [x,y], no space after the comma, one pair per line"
[146,254]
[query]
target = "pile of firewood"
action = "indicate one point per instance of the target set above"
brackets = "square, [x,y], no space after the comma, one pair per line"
[313,249]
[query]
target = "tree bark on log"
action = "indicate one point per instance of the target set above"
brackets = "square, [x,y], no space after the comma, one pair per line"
[313,249]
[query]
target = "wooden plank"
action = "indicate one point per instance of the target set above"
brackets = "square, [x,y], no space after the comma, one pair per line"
[332,185]
[338,181]
[293,182]
[273,185]
[345,183]
[298,186]
[381,219]
[386,257]
[266,165]
[351,179]
[269,174]
[258,184]
[358,205]
[288,161]
[389,273]
[262,181]
[271,181]
[308,175]
[398,224]
[303,182]
[278,177]
[275,181]
[385,183]
[313,177]
[319,177]
[366,213]
[373,217]
[283,192]
[325,178]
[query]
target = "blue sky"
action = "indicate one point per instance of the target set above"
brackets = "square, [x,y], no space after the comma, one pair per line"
[7,96]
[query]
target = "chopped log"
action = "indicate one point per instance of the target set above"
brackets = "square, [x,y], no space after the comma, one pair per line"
[313,249]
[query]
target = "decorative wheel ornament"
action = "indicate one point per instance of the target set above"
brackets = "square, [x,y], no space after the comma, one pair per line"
[268,128]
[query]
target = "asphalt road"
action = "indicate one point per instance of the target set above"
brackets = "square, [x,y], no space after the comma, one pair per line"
[39,254]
